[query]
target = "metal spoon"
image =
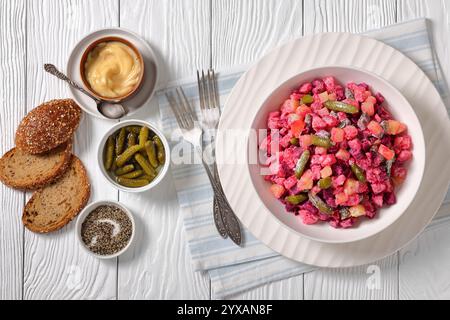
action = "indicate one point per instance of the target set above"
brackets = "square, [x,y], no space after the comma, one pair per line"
[108,109]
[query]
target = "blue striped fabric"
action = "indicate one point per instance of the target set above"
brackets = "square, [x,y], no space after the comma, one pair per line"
[234,269]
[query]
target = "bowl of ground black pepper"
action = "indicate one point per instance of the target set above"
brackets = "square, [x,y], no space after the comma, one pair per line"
[105,229]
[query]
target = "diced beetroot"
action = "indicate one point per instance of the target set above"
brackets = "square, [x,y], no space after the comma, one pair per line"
[390,199]
[378,200]
[290,182]
[403,142]
[318,86]
[352,200]
[316,171]
[279,180]
[318,124]
[350,132]
[337,135]
[347,223]
[338,181]
[328,160]
[306,88]
[316,106]
[277,190]
[339,91]
[323,112]
[380,98]
[330,121]
[404,156]
[330,83]
[362,187]
[355,145]
[378,187]
[320,151]
[308,217]
[323,97]
[295,96]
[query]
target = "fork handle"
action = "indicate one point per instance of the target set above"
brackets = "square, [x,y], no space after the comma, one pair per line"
[229,219]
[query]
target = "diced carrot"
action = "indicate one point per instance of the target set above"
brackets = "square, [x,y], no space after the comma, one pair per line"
[351,187]
[277,190]
[387,153]
[343,155]
[326,172]
[395,127]
[368,108]
[375,128]
[297,127]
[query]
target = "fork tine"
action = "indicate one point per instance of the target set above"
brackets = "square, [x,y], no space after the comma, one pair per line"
[188,106]
[210,96]
[187,111]
[182,109]
[206,90]
[173,106]
[215,91]
[201,92]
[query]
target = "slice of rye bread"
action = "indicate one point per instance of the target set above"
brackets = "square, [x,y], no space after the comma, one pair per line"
[47,126]
[54,206]
[25,171]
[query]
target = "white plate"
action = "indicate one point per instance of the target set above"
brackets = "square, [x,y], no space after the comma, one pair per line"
[296,57]
[147,89]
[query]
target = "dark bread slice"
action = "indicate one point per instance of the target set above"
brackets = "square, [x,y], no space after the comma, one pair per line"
[25,171]
[48,126]
[54,206]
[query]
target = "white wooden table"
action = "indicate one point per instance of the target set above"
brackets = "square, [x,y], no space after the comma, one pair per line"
[187,34]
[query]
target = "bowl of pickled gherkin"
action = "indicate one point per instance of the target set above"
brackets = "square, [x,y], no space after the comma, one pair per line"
[134,156]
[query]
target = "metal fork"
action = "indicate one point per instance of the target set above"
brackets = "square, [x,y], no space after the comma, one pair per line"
[210,108]
[192,133]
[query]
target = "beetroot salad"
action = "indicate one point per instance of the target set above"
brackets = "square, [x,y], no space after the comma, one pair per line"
[335,153]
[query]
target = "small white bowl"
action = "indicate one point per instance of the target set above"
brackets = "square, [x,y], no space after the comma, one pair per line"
[86,211]
[114,129]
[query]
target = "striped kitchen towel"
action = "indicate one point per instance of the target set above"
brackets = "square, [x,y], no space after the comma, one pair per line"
[233,269]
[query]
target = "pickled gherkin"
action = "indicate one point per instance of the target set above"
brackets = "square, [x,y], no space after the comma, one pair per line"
[301,163]
[151,153]
[143,135]
[146,166]
[120,141]
[132,183]
[127,154]
[339,106]
[296,199]
[133,174]
[161,155]
[125,169]
[320,204]
[109,153]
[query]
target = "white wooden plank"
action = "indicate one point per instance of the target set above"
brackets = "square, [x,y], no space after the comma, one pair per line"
[350,16]
[428,256]
[242,31]
[424,264]
[55,266]
[287,289]
[12,109]
[376,281]
[159,266]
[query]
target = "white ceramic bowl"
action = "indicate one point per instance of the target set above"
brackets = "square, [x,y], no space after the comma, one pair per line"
[117,127]
[82,216]
[401,110]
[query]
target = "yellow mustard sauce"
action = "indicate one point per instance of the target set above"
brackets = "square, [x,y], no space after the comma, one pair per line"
[112,69]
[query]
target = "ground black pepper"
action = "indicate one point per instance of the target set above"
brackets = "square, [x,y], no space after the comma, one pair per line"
[106,230]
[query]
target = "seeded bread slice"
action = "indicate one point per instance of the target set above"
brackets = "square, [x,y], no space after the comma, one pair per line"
[21,170]
[54,206]
[47,126]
